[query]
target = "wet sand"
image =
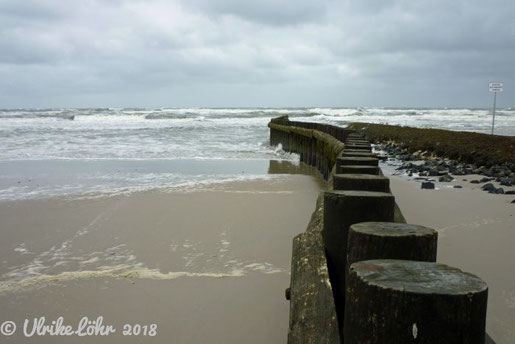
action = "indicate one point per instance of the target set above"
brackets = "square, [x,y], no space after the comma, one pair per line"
[476,234]
[208,266]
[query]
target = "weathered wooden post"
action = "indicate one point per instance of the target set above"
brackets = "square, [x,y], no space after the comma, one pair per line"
[348,150]
[389,240]
[360,147]
[358,154]
[355,169]
[400,301]
[359,160]
[357,142]
[363,182]
[341,210]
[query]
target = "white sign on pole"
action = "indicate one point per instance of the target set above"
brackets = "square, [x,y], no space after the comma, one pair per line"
[495,86]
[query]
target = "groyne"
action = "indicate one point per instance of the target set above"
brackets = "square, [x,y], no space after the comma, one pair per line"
[359,273]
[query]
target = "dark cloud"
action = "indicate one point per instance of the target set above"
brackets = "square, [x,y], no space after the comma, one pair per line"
[266,53]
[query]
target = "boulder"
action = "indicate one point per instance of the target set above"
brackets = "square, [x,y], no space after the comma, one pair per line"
[505,181]
[428,185]
[445,179]
[488,187]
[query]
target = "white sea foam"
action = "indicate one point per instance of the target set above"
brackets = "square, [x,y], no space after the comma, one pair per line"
[21,249]
[37,280]
[63,262]
[100,148]
[113,272]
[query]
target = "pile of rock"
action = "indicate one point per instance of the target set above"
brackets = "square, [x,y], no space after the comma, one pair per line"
[427,165]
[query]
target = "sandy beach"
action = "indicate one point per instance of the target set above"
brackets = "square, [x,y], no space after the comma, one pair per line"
[206,266]
[476,234]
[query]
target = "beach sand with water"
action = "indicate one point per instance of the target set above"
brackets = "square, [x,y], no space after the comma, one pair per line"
[212,265]
[204,266]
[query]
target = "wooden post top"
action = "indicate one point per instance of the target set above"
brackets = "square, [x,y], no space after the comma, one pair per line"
[418,277]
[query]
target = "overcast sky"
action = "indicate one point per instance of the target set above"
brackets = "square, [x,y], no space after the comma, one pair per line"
[244,53]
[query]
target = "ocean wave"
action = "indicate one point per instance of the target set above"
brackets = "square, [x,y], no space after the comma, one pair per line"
[66,115]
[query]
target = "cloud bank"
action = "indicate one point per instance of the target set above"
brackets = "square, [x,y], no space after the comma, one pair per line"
[247,53]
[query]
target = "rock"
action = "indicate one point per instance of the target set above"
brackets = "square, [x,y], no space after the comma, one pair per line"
[428,185]
[433,173]
[458,186]
[445,179]
[489,187]
[476,181]
[513,201]
[505,181]
[501,173]
[510,192]
[499,191]
[485,180]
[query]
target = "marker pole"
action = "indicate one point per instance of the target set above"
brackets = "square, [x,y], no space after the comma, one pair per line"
[493,112]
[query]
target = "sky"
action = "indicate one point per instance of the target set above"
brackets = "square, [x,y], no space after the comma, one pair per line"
[266,53]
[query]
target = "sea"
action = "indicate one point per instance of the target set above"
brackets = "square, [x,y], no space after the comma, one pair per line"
[97,152]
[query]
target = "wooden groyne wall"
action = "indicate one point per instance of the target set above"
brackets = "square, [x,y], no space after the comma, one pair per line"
[359,273]
[317,144]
